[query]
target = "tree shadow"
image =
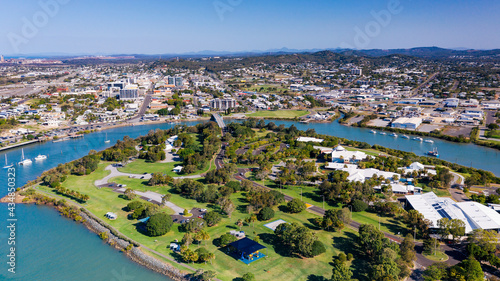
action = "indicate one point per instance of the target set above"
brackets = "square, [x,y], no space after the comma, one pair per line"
[313,277]
[140,227]
[278,247]
[347,244]
[283,208]
[312,225]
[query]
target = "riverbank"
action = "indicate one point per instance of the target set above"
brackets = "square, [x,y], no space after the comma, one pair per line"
[117,240]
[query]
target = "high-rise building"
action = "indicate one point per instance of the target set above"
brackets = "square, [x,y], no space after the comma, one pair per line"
[357,71]
[130,92]
[223,104]
[171,80]
[2,59]
[178,81]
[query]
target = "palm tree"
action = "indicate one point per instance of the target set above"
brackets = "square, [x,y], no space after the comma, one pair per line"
[165,198]
[204,236]
[240,223]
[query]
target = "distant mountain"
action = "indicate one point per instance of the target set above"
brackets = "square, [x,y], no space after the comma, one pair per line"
[421,52]
[430,52]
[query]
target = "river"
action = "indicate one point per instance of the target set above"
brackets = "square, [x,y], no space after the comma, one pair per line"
[49,248]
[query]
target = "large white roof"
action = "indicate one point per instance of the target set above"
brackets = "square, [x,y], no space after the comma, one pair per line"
[473,214]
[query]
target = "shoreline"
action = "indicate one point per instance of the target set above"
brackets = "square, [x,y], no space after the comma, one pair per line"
[97,226]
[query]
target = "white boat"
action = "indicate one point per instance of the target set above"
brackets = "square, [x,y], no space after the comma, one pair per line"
[393,135]
[418,139]
[373,131]
[405,137]
[382,133]
[24,161]
[429,141]
[7,163]
[107,141]
[40,157]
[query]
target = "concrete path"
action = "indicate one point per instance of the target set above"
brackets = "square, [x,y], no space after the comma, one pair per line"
[115,173]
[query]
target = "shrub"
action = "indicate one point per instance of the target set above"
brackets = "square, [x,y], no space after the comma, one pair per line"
[248,277]
[359,206]
[317,248]
[296,206]
[134,205]
[159,224]
[266,213]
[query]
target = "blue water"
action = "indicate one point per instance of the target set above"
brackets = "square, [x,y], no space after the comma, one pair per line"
[466,154]
[54,248]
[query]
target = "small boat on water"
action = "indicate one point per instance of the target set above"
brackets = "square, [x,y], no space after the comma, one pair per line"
[418,139]
[405,137]
[433,152]
[429,141]
[40,157]
[382,133]
[7,163]
[373,131]
[23,160]
[393,135]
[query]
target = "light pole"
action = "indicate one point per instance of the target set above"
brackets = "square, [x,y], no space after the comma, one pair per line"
[414,232]
[323,201]
[301,194]
[350,207]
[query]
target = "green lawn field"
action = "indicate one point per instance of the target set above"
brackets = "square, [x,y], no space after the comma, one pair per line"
[274,267]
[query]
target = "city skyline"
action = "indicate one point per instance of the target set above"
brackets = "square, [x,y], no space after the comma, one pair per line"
[159,27]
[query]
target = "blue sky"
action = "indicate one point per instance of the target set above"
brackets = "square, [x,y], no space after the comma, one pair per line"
[164,26]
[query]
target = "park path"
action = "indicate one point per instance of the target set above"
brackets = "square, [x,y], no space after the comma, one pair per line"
[150,196]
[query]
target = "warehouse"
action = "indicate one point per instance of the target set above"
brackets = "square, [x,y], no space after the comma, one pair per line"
[407,123]
[473,214]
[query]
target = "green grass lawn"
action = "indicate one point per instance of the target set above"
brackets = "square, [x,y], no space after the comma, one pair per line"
[279,113]
[274,267]
[493,134]
[140,166]
[311,196]
[438,256]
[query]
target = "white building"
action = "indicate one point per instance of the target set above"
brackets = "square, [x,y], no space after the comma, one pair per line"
[342,155]
[473,214]
[407,123]
[307,139]
[416,166]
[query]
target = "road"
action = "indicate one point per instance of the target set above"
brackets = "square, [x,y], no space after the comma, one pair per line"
[415,91]
[144,107]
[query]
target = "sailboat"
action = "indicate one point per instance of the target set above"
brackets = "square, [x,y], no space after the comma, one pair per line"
[24,161]
[7,163]
[106,140]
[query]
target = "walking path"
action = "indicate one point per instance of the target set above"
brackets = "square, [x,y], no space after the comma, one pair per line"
[115,173]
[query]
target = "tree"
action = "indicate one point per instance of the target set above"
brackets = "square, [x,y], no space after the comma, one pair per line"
[296,206]
[187,239]
[212,218]
[317,248]
[295,238]
[159,224]
[483,243]
[226,239]
[189,255]
[165,198]
[469,269]
[359,205]
[239,223]
[437,271]
[431,245]
[129,194]
[266,213]
[194,225]
[251,219]
[204,236]
[341,271]
[407,249]
[371,240]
